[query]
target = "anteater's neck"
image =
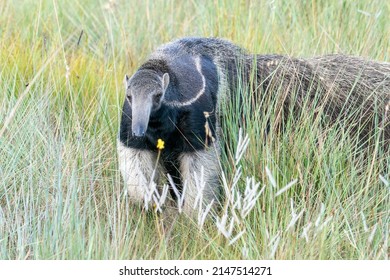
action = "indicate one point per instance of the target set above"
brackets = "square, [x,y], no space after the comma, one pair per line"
[159,66]
[162,124]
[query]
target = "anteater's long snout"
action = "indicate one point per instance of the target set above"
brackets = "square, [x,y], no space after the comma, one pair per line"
[139,131]
[140,117]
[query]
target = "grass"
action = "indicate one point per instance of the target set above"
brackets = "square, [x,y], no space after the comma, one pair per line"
[61,195]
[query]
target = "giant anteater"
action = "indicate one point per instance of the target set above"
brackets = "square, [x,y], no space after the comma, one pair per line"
[177,93]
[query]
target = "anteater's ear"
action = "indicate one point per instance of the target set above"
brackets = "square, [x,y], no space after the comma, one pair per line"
[165,81]
[126,80]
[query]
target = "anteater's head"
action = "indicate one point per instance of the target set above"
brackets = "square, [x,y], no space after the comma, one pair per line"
[145,92]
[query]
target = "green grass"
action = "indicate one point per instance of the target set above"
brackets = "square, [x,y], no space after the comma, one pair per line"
[61,195]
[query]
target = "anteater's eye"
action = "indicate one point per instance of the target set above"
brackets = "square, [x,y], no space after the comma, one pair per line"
[128,97]
[157,97]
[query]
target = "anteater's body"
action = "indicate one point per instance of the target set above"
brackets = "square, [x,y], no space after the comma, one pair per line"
[175,96]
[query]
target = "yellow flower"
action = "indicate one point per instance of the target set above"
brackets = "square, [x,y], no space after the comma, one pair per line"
[160,144]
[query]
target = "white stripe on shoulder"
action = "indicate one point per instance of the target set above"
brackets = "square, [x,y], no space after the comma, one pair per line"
[200,93]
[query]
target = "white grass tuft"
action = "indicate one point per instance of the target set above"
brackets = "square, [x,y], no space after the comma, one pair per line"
[294,219]
[317,223]
[372,234]
[364,221]
[323,225]
[238,236]
[270,177]
[289,185]
[386,182]
[242,145]
[245,252]
[200,186]
[305,231]
[273,244]
[203,213]
[179,197]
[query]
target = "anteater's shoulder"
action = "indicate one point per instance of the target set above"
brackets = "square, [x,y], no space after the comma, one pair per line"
[197,46]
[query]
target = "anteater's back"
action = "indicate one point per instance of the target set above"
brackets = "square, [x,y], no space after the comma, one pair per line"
[347,90]
[362,88]
[214,48]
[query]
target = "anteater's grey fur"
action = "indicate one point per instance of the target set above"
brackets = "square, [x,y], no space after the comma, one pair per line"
[345,90]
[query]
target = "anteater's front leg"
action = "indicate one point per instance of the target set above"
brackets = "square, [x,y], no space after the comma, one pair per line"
[190,168]
[137,168]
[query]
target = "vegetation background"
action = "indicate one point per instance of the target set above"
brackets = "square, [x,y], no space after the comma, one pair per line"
[61,196]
